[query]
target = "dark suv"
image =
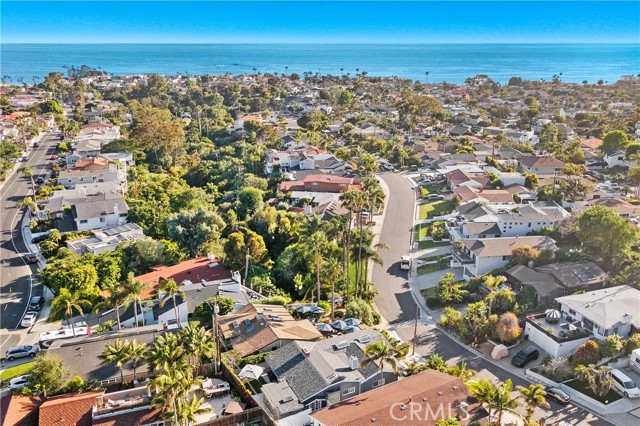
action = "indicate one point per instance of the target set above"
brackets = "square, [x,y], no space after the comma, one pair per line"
[526,355]
[35,303]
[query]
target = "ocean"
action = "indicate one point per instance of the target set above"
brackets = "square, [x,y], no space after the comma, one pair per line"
[452,63]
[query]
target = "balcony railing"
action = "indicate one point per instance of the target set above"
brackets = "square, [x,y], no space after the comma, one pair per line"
[461,257]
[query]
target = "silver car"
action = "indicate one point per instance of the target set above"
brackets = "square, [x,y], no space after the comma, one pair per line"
[22,351]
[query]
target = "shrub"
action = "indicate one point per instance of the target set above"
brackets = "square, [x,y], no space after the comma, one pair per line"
[338,314]
[275,300]
[508,329]
[632,343]
[76,384]
[611,346]
[587,353]
[362,310]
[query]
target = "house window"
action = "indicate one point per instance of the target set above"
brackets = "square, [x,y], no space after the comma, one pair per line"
[505,257]
[83,220]
[564,293]
[317,404]
[529,224]
[348,391]
[102,219]
[378,383]
[572,312]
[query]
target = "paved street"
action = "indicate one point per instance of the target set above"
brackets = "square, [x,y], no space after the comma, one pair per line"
[15,274]
[398,307]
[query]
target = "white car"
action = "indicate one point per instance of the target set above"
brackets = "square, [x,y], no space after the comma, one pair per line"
[405,263]
[29,319]
[19,382]
[624,384]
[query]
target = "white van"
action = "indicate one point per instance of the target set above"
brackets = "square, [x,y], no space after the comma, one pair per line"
[624,384]
[634,361]
[405,263]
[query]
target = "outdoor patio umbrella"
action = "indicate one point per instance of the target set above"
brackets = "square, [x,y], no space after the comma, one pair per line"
[325,328]
[568,326]
[317,310]
[553,314]
[351,329]
[339,325]
[578,324]
[251,371]
[303,309]
[352,321]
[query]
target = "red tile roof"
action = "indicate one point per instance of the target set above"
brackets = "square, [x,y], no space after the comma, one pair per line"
[193,270]
[131,418]
[428,390]
[68,410]
[19,410]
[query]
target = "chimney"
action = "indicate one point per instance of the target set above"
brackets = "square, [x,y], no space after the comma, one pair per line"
[353,362]
[259,315]
[116,209]
[530,264]
[210,256]
[306,352]
[463,410]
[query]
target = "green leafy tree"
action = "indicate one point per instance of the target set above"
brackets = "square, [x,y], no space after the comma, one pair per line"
[613,141]
[611,346]
[48,374]
[250,200]
[195,230]
[67,303]
[606,235]
[51,106]
[449,290]
[382,354]
[587,353]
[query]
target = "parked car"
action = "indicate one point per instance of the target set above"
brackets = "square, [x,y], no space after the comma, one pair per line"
[31,258]
[53,157]
[29,319]
[24,158]
[22,351]
[36,303]
[35,144]
[40,238]
[39,179]
[558,394]
[525,356]
[634,360]
[19,382]
[405,263]
[624,384]
[435,197]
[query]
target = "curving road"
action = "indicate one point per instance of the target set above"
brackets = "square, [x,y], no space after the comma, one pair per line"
[15,274]
[396,304]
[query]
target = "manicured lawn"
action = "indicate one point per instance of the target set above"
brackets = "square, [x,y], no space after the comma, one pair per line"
[432,267]
[429,258]
[436,208]
[431,244]
[420,231]
[585,389]
[255,385]
[15,371]
[431,297]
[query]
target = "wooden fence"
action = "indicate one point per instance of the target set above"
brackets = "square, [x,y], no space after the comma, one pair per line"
[252,416]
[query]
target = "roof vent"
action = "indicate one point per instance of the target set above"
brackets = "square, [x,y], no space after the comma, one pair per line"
[373,419]
[342,344]
[364,339]
[403,407]
[288,398]
[439,393]
[353,362]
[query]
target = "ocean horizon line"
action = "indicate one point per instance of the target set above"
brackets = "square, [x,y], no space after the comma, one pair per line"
[254,43]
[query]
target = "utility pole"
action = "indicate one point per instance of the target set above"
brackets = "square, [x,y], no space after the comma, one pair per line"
[415,330]
[214,332]
[246,267]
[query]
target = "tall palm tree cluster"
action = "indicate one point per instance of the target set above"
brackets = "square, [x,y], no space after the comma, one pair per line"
[177,359]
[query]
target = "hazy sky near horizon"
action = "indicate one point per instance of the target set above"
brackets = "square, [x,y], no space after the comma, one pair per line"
[321,22]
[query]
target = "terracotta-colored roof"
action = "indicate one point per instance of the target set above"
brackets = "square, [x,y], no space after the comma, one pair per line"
[71,409]
[19,410]
[542,162]
[194,270]
[591,143]
[98,161]
[251,335]
[390,404]
[96,126]
[131,418]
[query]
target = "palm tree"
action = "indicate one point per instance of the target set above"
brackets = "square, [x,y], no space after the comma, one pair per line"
[136,353]
[166,354]
[371,253]
[494,398]
[414,367]
[462,371]
[117,353]
[348,200]
[133,289]
[117,296]
[383,354]
[436,362]
[170,289]
[66,302]
[170,387]
[317,243]
[27,172]
[188,409]
[360,202]
[197,344]
[532,396]
[492,284]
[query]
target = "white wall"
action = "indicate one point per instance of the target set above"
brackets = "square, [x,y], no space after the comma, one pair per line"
[520,227]
[549,345]
[487,264]
[95,222]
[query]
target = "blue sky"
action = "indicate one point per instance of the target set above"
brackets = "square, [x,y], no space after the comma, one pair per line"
[328,21]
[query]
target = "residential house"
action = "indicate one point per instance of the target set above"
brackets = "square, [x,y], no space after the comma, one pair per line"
[70,409]
[97,212]
[616,159]
[549,282]
[97,169]
[419,400]
[458,178]
[129,407]
[259,328]
[106,239]
[467,194]
[593,314]
[620,206]
[61,200]
[545,165]
[313,375]
[483,255]
[321,183]
[19,410]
